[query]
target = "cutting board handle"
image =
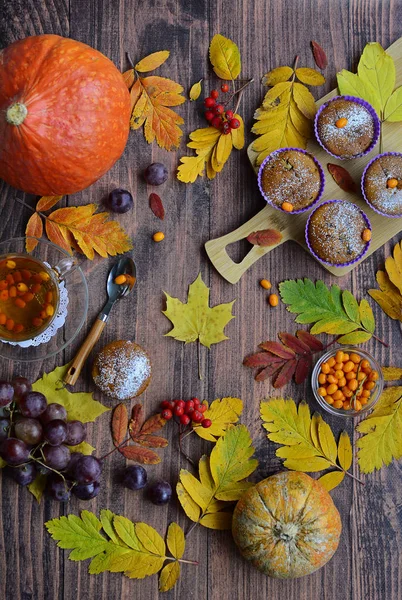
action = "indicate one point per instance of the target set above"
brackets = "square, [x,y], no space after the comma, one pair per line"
[267,218]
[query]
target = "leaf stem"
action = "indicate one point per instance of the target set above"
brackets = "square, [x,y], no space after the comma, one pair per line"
[240,92]
[350,475]
[182,436]
[182,560]
[124,443]
[193,526]
[379,340]
[130,60]
[199,358]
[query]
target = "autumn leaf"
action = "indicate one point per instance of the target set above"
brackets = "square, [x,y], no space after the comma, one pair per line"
[331,310]
[140,432]
[294,356]
[119,424]
[225,57]
[195,320]
[155,204]
[278,75]
[153,424]
[221,480]
[169,576]
[309,76]
[47,202]
[175,540]
[393,107]
[331,480]
[137,420]
[389,296]
[319,55]
[152,61]
[222,413]
[141,455]
[34,228]
[392,373]
[195,90]
[342,177]
[265,237]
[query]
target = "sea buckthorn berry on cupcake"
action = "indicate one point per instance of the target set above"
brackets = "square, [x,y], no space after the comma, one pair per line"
[347,127]
[291,180]
[382,184]
[392,183]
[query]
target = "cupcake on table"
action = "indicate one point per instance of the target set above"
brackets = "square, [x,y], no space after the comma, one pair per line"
[382,184]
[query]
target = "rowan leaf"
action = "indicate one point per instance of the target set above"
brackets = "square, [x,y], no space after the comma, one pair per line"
[332,479]
[304,100]
[345,451]
[342,177]
[203,141]
[221,152]
[151,441]
[392,373]
[153,424]
[390,282]
[195,320]
[327,441]
[223,413]
[278,75]
[156,206]
[141,455]
[137,420]
[219,520]
[129,78]
[319,55]
[34,229]
[152,61]
[169,576]
[195,90]
[309,76]
[237,135]
[175,540]
[119,424]
[382,440]
[393,107]
[265,237]
[225,57]
[189,505]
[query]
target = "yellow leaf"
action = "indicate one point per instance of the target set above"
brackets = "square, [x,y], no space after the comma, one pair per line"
[278,75]
[222,413]
[195,320]
[225,57]
[391,304]
[314,430]
[203,141]
[238,134]
[345,451]
[37,486]
[394,269]
[222,151]
[135,94]
[199,492]
[195,90]
[152,61]
[234,491]
[169,576]
[191,168]
[332,479]
[141,109]
[175,540]
[209,135]
[211,174]
[307,465]
[300,122]
[298,451]
[47,202]
[377,69]
[392,373]
[279,93]
[393,107]
[150,539]
[230,459]
[304,100]
[390,282]
[350,84]
[34,229]
[218,520]
[310,76]
[129,77]
[189,506]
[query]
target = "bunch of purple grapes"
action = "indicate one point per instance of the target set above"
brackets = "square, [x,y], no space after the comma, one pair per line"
[35,437]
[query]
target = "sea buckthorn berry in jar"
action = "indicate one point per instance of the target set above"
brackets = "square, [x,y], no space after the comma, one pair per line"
[264,283]
[346,405]
[361,376]
[332,379]
[11,264]
[331,361]
[273,300]
[353,385]
[329,399]
[339,374]
[339,356]
[338,404]
[369,385]
[322,378]
[322,391]
[342,382]
[373,376]
[345,357]
[348,366]
[351,375]
[338,366]
[365,364]
[355,358]
[325,368]
[331,389]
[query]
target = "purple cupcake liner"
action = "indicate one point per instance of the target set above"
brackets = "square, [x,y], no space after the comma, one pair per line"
[363,179]
[320,170]
[376,120]
[351,262]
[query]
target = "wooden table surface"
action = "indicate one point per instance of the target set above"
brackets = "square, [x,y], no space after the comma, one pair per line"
[269,33]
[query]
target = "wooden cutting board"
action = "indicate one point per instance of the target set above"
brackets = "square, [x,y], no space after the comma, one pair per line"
[292,227]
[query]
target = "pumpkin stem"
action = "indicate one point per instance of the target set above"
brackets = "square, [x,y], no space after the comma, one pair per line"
[16,113]
[286,532]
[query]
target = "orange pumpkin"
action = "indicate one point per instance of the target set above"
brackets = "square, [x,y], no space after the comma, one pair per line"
[64,115]
[287,525]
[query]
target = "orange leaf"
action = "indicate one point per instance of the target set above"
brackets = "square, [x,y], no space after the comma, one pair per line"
[151,441]
[153,424]
[265,237]
[57,235]
[119,424]
[34,228]
[47,202]
[135,93]
[129,77]
[342,177]
[156,206]
[137,420]
[140,455]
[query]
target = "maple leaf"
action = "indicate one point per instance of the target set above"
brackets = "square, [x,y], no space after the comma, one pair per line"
[225,57]
[307,442]
[221,480]
[293,356]
[223,413]
[389,296]
[331,310]
[195,320]
[195,90]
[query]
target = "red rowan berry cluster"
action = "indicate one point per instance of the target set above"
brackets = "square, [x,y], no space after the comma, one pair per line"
[216,114]
[185,412]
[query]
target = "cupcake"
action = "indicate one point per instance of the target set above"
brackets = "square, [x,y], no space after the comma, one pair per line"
[347,127]
[291,180]
[382,184]
[338,233]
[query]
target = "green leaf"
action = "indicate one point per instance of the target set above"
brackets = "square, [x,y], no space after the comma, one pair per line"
[366,316]
[327,441]
[150,539]
[126,531]
[393,108]
[357,337]
[351,306]
[377,69]
[81,535]
[350,84]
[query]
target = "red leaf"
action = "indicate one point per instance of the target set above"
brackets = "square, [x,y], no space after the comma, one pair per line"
[153,424]
[259,359]
[140,455]
[119,424]
[34,228]
[278,349]
[297,345]
[152,441]
[342,177]
[303,368]
[265,237]
[137,420]
[286,373]
[156,206]
[319,55]
[270,370]
[314,344]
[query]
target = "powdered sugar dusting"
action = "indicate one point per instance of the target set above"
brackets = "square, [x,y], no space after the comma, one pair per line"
[121,369]
[386,200]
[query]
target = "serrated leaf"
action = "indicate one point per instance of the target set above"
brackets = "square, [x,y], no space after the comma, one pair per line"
[150,539]
[195,90]
[319,55]
[223,413]
[377,69]
[345,451]
[285,373]
[350,84]
[389,298]
[106,517]
[169,576]
[119,424]
[34,229]
[393,107]
[175,540]
[219,520]
[151,441]
[139,454]
[351,306]
[327,441]
[310,340]
[153,424]
[304,100]
[307,465]
[137,420]
[80,535]
[278,75]
[310,76]
[355,338]
[195,319]
[189,505]
[366,316]
[332,479]
[47,202]
[225,57]
[152,61]
[200,493]
[126,531]
[392,373]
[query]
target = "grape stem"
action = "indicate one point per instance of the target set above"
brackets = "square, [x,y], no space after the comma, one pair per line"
[50,469]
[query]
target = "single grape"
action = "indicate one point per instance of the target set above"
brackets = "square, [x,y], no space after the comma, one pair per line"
[14,452]
[119,201]
[53,411]
[76,433]
[24,474]
[86,492]
[56,457]
[135,477]
[6,393]
[55,432]
[32,404]
[74,457]
[28,430]
[21,386]
[57,488]
[160,492]
[87,470]
[156,174]
[4,427]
